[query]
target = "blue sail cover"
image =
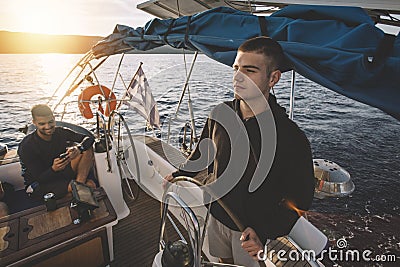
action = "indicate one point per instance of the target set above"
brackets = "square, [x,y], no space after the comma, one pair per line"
[337,47]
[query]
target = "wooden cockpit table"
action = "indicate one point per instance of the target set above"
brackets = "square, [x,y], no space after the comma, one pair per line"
[36,237]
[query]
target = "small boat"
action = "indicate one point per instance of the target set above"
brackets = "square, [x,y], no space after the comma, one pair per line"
[129,164]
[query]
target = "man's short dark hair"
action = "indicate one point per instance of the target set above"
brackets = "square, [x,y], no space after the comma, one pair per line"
[270,48]
[41,110]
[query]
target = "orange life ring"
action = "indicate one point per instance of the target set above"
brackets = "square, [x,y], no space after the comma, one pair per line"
[87,94]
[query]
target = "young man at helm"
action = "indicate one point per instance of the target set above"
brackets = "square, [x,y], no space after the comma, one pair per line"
[262,153]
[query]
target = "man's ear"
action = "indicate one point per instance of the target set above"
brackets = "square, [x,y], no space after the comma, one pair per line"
[274,77]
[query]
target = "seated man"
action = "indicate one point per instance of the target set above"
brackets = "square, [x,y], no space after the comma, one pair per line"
[44,168]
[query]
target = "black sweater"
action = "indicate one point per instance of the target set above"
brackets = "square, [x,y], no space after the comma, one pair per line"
[288,172]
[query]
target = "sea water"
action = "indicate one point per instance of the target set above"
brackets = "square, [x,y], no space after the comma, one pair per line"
[361,139]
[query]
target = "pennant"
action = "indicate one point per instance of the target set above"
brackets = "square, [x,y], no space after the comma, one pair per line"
[141,99]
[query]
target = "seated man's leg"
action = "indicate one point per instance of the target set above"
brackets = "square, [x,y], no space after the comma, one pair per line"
[81,165]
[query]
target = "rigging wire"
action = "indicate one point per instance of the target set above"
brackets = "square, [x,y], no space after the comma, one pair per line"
[192,122]
[250,6]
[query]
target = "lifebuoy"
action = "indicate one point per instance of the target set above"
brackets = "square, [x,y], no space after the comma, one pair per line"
[86,95]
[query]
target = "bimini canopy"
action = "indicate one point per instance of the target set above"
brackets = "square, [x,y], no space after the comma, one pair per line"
[337,47]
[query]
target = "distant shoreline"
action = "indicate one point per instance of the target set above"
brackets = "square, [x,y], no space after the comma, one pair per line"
[31,43]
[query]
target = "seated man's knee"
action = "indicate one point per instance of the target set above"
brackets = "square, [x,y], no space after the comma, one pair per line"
[89,153]
[75,163]
[86,158]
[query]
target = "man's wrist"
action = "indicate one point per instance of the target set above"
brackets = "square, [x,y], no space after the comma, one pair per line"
[80,148]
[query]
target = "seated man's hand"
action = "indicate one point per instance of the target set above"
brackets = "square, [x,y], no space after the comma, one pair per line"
[60,164]
[251,243]
[73,152]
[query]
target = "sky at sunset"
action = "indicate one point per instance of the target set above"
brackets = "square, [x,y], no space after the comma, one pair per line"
[80,17]
[76,17]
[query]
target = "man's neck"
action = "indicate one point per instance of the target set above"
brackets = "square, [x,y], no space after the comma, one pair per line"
[253,107]
[44,137]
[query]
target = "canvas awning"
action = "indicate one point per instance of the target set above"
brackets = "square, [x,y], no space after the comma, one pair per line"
[337,47]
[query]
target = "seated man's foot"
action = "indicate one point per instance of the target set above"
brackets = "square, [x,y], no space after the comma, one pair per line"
[90,183]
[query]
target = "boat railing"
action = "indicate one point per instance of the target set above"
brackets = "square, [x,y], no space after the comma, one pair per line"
[82,67]
[92,101]
[184,90]
[104,126]
[101,118]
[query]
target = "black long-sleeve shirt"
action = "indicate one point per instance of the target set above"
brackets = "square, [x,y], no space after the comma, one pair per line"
[37,156]
[289,178]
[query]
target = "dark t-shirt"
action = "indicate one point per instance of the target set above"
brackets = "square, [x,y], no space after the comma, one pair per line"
[37,155]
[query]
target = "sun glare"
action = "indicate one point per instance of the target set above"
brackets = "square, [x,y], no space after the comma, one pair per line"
[53,68]
[43,16]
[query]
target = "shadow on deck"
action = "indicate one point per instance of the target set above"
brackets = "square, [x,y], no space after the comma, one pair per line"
[136,237]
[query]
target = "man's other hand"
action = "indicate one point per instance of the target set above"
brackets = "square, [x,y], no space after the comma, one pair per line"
[60,164]
[167,179]
[73,152]
[251,243]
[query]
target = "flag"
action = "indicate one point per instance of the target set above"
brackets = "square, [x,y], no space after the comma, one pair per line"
[141,99]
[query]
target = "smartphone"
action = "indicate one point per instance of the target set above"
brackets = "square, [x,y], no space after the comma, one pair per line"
[63,155]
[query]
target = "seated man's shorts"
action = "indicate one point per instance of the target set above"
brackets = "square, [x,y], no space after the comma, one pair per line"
[60,186]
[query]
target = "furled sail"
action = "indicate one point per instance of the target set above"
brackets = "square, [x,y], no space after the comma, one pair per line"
[337,47]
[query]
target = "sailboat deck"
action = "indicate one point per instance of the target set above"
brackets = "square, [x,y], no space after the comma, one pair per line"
[136,237]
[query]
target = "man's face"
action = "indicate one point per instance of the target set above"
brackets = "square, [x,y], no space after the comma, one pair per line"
[251,75]
[45,125]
